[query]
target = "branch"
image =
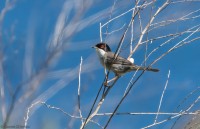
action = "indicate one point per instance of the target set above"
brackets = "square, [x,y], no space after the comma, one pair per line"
[79,94]
[181,113]
[147,27]
[161,98]
[51,107]
[148,113]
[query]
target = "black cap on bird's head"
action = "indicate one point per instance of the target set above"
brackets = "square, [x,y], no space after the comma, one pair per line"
[103,46]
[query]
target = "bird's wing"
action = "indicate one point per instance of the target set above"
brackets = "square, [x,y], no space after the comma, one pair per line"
[118,60]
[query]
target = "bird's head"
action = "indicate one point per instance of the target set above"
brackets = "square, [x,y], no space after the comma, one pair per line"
[102,46]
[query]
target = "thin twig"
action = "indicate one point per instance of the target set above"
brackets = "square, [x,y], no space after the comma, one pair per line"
[139,6]
[182,102]
[189,95]
[167,22]
[51,107]
[110,16]
[132,24]
[148,113]
[79,94]
[181,113]
[108,33]
[175,46]
[100,33]
[161,98]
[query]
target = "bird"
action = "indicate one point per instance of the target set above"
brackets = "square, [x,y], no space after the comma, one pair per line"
[116,64]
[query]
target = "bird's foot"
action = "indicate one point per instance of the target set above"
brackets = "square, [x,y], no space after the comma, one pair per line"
[106,84]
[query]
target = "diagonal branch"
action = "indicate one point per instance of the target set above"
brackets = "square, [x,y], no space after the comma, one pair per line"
[161,98]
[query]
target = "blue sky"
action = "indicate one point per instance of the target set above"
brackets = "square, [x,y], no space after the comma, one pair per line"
[28,31]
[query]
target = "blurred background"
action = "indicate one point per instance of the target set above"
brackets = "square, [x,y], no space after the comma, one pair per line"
[41,46]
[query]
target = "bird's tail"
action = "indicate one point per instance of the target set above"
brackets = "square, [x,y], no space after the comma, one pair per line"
[145,68]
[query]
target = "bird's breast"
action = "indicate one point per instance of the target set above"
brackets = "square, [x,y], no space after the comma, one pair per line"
[102,56]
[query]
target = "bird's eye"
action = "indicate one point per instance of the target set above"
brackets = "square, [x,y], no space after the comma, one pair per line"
[102,46]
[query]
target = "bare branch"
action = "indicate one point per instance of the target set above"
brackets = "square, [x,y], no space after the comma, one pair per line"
[176,46]
[108,33]
[140,6]
[181,113]
[147,113]
[79,94]
[51,107]
[100,29]
[147,26]
[161,98]
[182,102]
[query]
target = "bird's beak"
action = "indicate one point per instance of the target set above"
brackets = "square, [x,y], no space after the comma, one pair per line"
[93,47]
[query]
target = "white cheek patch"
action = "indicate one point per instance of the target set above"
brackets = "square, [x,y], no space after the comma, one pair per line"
[100,52]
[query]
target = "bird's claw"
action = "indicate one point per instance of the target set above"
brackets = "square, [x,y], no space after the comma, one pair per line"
[106,84]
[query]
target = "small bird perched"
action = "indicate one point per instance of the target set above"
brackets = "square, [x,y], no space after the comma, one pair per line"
[118,65]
